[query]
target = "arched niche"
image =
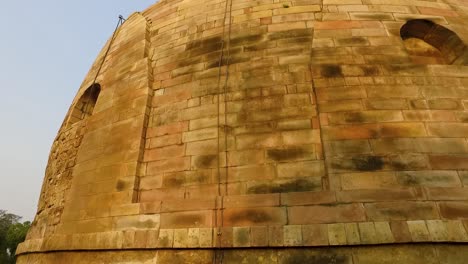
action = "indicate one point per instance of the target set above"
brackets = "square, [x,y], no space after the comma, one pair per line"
[85,105]
[430,43]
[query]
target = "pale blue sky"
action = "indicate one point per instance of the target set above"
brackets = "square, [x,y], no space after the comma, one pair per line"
[46,49]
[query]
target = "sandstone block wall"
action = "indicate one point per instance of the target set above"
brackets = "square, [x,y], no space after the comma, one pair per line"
[222,125]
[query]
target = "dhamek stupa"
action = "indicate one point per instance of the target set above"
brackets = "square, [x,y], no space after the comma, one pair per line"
[240,131]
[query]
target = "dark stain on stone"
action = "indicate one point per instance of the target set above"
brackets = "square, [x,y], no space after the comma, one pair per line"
[216,63]
[407,165]
[409,180]
[188,61]
[399,165]
[294,33]
[199,47]
[234,51]
[299,185]
[120,185]
[246,40]
[303,257]
[405,68]
[212,56]
[235,59]
[204,49]
[203,42]
[285,154]
[286,51]
[228,61]
[355,117]
[409,162]
[173,181]
[252,215]
[352,41]
[298,40]
[368,163]
[332,71]
[370,70]
[257,46]
[206,161]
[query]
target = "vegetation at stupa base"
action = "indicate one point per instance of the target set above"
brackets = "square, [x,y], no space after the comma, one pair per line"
[12,232]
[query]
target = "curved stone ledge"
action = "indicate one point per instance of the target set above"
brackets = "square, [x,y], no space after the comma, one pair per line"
[352,217]
[342,234]
[386,254]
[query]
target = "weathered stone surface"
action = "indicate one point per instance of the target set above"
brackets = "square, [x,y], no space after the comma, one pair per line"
[234,125]
[409,254]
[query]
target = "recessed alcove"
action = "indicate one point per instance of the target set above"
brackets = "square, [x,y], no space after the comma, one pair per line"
[429,43]
[85,105]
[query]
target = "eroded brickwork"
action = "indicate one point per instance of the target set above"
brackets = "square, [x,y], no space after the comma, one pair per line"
[57,180]
[268,124]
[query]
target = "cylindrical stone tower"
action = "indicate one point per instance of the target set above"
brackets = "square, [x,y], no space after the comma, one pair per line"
[270,131]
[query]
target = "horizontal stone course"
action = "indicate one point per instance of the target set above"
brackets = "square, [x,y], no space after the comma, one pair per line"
[313,235]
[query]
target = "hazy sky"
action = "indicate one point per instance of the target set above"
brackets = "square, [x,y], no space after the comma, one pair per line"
[46,49]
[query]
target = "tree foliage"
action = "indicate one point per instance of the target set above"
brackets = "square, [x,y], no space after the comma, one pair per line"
[12,232]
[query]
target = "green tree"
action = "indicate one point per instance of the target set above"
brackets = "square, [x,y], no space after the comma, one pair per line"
[16,234]
[12,232]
